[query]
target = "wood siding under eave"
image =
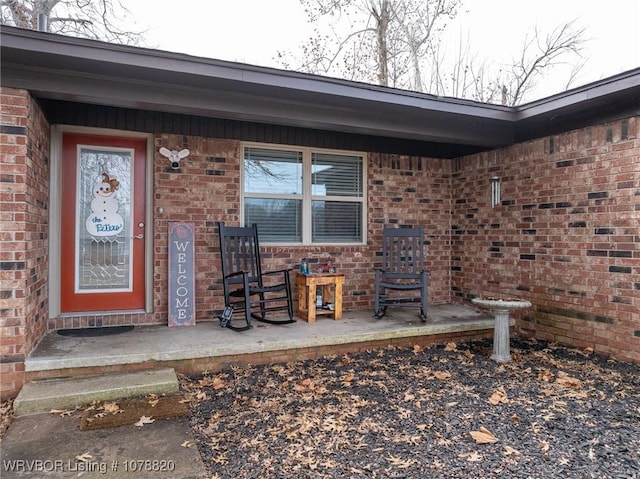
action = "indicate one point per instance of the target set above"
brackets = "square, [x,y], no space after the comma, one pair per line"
[99,116]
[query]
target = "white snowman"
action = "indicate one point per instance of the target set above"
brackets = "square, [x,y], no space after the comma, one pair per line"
[105,220]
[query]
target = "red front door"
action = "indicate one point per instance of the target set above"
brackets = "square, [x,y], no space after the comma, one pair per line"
[102,225]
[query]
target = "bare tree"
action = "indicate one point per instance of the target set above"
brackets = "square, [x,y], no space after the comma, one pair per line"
[467,76]
[538,55]
[509,84]
[398,43]
[375,41]
[97,19]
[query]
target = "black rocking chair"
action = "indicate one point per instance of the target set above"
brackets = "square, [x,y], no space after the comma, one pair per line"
[244,280]
[402,271]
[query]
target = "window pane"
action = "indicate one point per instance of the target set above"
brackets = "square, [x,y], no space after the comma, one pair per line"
[272,171]
[103,234]
[278,220]
[337,222]
[336,175]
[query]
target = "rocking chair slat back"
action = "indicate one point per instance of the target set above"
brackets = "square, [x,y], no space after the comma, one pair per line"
[240,252]
[403,252]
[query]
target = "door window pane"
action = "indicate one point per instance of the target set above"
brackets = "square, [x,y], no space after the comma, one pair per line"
[103,220]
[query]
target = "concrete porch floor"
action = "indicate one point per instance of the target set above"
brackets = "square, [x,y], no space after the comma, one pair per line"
[162,344]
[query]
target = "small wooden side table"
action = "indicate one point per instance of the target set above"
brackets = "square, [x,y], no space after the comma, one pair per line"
[307,284]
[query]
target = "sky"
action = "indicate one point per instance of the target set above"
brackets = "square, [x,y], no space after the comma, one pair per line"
[253,31]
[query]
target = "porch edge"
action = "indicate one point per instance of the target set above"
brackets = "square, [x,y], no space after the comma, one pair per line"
[247,347]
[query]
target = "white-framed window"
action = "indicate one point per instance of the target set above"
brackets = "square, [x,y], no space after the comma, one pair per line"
[304,195]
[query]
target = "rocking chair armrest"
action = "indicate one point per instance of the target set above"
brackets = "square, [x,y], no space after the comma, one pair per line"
[236,273]
[277,271]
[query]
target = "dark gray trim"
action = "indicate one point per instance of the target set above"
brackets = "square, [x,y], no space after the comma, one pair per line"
[100,116]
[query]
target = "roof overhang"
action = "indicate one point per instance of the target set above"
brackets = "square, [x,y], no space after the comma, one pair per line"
[88,71]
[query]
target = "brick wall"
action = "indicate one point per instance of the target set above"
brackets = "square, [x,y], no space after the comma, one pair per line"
[566,235]
[24,190]
[401,190]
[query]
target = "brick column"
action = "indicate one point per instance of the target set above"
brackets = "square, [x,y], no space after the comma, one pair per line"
[24,218]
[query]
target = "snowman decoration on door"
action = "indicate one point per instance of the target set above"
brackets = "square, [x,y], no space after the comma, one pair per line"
[104,219]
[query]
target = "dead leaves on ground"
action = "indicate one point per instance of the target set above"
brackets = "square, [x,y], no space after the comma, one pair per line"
[64,412]
[374,407]
[483,436]
[400,462]
[6,415]
[104,409]
[308,385]
[498,396]
[215,383]
[84,457]
[509,451]
[451,347]
[473,456]
[137,411]
[144,420]
[442,375]
[567,381]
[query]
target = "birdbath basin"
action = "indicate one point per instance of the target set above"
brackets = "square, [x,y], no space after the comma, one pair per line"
[501,309]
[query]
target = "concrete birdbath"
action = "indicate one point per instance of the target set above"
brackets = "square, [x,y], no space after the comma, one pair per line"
[501,309]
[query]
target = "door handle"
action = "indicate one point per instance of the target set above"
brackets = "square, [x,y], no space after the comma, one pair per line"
[139,236]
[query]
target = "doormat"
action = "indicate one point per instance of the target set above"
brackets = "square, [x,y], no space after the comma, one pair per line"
[93,332]
[140,411]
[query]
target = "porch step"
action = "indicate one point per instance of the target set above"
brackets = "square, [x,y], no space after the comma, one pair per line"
[43,396]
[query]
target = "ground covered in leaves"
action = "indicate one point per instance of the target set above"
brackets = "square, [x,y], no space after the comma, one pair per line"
[6,416]
[446,411]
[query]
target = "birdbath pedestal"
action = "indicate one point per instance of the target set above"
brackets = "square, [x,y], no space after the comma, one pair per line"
[501,309]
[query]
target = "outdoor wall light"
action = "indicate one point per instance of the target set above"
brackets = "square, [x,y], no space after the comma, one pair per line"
[174,156]
[495,191]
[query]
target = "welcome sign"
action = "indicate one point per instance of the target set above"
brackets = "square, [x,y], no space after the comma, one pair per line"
[182,310]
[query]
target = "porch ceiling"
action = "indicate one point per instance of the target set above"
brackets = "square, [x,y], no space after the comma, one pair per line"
[87,71]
